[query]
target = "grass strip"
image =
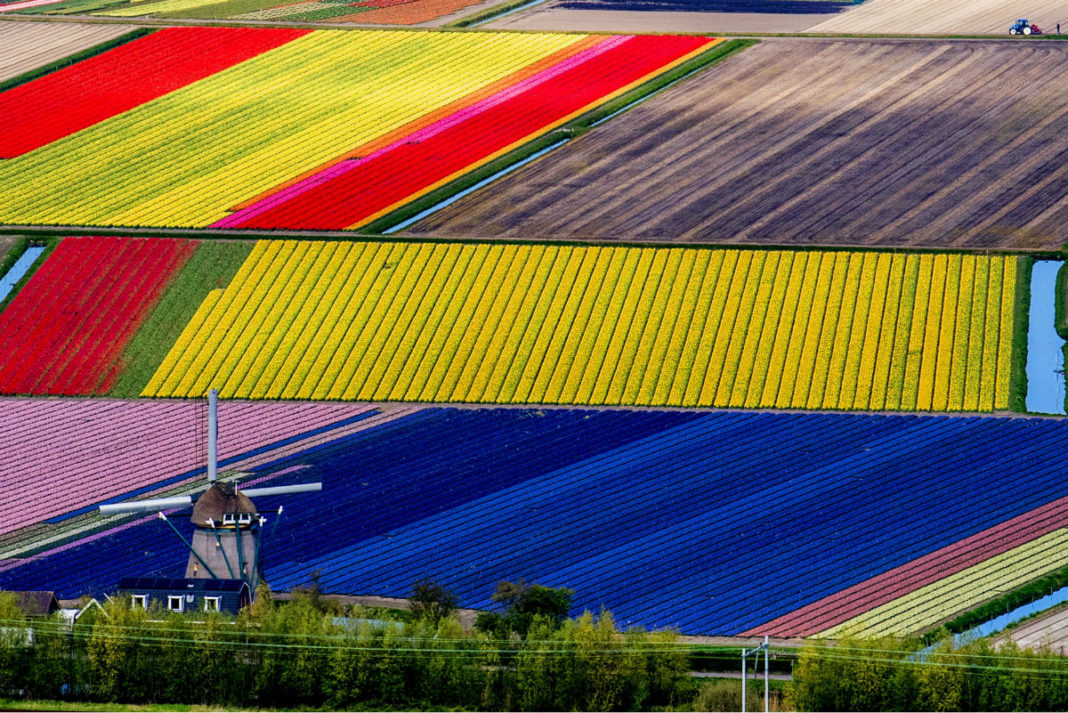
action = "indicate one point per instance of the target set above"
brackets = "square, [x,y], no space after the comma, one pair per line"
[574,128]
[73,58]
[15,253]
[212,266]
[18,247]
[1025,594]
[1021,318]
[1060,318]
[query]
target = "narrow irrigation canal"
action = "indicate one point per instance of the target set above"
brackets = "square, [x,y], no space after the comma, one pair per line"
[1045,356]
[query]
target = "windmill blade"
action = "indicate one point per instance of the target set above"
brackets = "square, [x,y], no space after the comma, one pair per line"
[284,489]
[180,501]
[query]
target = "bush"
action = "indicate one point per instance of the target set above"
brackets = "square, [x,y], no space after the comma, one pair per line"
[431,601]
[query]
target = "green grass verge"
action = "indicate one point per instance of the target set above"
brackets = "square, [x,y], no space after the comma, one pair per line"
[73,59]
[212,266]
[1060,316]
[50,245]
[1032,591]
[1021,319]
[13,254]
[573,129]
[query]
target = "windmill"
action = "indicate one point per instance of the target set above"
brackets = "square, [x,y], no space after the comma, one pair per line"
[226,541]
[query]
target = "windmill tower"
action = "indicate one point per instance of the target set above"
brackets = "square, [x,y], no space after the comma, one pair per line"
[226,539]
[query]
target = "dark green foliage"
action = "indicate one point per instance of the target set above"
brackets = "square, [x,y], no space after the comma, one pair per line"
[524,603]
[1021,319]
[72,59]
[892,675]
[299,655]
[15,253]
[431,602]
[211,267]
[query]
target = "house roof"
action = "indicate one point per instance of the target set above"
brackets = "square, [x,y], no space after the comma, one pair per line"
[36,603]
[218,500]
[166,584]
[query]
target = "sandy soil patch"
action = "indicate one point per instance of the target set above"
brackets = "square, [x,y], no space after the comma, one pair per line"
[812,142]
[550,18]
[27,45]
[938,17]
[6,241]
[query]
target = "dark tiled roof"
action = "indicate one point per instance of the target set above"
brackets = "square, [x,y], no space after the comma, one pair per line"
[36,603]
[189,585]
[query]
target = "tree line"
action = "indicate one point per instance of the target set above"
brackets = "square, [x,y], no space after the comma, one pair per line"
[304,654]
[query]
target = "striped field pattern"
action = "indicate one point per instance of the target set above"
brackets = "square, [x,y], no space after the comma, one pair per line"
[603,325]
[189,156]
[273,128]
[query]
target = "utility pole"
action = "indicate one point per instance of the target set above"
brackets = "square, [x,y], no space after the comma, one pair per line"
[763,647]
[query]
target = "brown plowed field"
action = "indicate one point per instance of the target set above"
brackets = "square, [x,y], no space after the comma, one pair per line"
[28,45]
[941,17]
[550,18]
[812,142]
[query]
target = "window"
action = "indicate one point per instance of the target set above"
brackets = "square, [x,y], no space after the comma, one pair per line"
[175,604]
[140,601]
[211,603]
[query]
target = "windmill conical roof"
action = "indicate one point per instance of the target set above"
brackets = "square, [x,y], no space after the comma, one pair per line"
[218,500]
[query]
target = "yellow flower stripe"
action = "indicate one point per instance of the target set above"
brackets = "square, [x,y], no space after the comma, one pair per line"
[943,357]
[763,314]
[155,8]
[961,591]
[833,314]
[976,333]
[1008,292]
[697,348]
[704,389]
[817,310]
[187,158]
[922,388]
[958,367]
[803,264]
[650,374]
[512,323]
[887,348]
[867,318]
[600,283]
[988,375]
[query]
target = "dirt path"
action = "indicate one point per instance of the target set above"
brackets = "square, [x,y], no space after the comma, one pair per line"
[550,18]
[6,241]
[931,17]
[28,45]
[812,142]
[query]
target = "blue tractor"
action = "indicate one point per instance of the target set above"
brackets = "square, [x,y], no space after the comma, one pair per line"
[1023,27]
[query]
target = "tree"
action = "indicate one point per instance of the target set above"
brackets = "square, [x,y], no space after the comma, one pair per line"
[523,603]
[431,601]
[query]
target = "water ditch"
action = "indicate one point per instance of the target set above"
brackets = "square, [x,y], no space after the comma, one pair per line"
[18,270]
[1045,348]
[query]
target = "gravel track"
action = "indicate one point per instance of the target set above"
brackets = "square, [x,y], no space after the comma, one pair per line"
[918,143]
[28,45]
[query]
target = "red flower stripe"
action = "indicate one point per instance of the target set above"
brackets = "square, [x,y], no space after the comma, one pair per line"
[892,584]
[44,313]
[98,88]
[406,168]
[65,331]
